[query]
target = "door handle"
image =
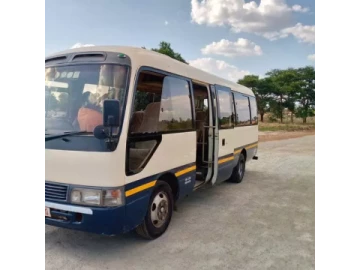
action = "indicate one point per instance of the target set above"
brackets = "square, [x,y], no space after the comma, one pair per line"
[223,142]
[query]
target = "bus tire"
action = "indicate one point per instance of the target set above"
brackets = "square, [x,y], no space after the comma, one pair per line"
[160,210]
[239,171]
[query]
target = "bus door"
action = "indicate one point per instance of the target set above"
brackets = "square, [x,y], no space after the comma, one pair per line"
[212,135]
[215,138]
[223,144]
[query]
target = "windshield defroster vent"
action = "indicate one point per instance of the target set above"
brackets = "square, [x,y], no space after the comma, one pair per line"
[89,57]
[58,59]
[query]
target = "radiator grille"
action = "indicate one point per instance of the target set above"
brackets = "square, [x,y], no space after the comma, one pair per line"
[56,192]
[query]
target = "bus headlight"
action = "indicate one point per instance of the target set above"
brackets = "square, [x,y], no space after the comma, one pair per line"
[96,197]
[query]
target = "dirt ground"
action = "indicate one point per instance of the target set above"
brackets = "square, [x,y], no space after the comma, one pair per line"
[266,136]
[266,222]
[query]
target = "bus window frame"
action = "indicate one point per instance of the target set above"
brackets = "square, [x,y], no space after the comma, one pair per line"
[229,91]
[236,115]
[155,135]
[257,112]
[165,73]
[78,143]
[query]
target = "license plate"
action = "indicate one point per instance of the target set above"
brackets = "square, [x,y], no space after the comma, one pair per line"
[47,212]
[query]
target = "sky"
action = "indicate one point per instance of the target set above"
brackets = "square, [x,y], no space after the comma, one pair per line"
[229,38]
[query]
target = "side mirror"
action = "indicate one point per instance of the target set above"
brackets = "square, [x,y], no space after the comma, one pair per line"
[111,113]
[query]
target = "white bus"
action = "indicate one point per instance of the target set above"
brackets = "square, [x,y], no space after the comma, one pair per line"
[129,132]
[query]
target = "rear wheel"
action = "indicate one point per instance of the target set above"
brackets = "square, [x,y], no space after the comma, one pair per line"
[239,171]
[159,212]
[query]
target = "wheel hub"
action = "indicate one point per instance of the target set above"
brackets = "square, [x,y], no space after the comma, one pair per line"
[159,209]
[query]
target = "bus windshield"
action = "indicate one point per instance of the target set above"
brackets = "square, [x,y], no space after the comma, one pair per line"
[74,95]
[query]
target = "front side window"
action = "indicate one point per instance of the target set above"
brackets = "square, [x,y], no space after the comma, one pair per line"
[74,95]
[162,105]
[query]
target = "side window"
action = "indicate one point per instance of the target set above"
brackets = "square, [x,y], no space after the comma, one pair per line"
[162,104]
[175,112]
[242,110]
[254,111]
[225,108]
[146,110]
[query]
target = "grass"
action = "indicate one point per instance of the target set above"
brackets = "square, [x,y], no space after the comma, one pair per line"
[287,125]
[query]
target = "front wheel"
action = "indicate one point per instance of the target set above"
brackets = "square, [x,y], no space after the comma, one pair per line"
[159,212]
[239,171]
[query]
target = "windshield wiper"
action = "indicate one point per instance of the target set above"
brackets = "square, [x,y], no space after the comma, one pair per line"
[65,134]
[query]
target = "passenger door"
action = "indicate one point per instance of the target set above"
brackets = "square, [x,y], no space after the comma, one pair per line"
[213,105]
[224,149]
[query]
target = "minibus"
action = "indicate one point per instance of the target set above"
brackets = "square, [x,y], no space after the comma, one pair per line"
[130,132]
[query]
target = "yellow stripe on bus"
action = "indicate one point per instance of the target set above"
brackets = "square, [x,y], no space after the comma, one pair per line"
[225,159]
[151,184]
[140,188]
[190,169]
[246,147]
[182,172]
[237,151]
[251,146]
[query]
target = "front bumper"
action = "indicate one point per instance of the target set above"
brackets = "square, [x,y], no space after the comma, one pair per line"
[107,221]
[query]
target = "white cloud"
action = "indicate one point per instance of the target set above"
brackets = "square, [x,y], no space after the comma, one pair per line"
[266,17]
[311,57]
[219,68]
[241,47]
[79,45]
[303,33]
[166,22]
[298,8]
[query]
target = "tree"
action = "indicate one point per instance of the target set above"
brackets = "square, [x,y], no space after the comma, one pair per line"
[284,86]
[250,81]
[306,92]
[165,48]
[290,104]
[264,96]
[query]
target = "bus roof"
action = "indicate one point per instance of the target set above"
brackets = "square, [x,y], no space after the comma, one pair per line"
[142,57]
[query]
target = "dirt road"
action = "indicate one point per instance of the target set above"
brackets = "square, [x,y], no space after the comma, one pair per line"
[267,136]
[266,222]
